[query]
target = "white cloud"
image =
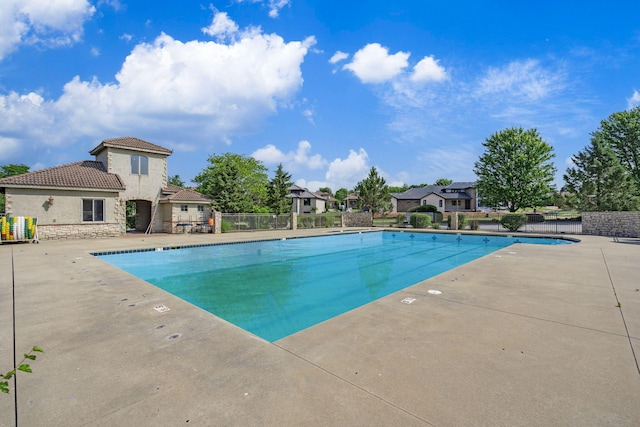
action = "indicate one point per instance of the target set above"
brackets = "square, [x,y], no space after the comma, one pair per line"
[374,64]
[43,22]
[525,80]
[293,161]
[428,70]
[274,6]
[348,172]
[338,56]
[634,101]
[205,91]
[10,147]
[221,26]
[448,162]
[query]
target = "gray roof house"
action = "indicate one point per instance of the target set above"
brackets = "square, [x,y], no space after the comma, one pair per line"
[305,202]
[455,197]
[89,198]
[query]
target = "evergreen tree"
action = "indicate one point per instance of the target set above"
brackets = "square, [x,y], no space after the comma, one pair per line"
[621,131]
[373,192]
[599,181]
[277,199]
[175,180]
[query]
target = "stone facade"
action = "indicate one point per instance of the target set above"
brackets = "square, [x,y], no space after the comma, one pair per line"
[618,224]
[78,231]
[357,219]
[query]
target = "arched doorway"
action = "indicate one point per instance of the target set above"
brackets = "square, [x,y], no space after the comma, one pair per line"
[138,215]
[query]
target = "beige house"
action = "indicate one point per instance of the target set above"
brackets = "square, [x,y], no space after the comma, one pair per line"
[89,198]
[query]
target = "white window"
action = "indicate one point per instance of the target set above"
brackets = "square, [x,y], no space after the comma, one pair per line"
[139,165]
[92,210]
[184,208]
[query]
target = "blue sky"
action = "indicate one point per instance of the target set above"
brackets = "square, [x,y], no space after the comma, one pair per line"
[327,88]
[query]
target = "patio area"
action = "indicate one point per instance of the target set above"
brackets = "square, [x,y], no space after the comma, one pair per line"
[526,336]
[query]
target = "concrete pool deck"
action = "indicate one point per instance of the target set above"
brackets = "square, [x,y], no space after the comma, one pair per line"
[526,336]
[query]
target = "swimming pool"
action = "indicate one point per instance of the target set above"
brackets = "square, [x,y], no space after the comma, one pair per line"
[276,288]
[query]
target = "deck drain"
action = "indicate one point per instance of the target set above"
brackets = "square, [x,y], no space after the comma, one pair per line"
[161,308]
[159,326]
[434,292]
[173,337]
[408,300]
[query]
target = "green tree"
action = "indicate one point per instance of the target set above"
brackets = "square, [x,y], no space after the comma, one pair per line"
[443,181]
[599,181]
[277,199]
[341,194]
[10,170]
[234,182]
[175,180]
[373,191]
[325,190]
[621,131]
[398,189]
[515,169]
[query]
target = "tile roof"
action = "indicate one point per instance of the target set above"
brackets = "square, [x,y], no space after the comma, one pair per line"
[131,143]
[85,174]
[186,195]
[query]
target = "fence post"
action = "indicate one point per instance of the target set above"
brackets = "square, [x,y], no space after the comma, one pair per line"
[217,222]
[294,220]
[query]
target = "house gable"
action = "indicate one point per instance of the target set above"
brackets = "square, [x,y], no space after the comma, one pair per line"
[141,165]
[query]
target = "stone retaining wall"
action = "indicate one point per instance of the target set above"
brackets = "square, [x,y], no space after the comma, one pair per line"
[620,224]
[78,231]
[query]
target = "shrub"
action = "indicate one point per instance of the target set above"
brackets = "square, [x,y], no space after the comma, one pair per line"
[474,224]
[424,208]
[436,225]
[535,218]
[225,226]
[462,222]
[400,219]
[420,220]
[513,221]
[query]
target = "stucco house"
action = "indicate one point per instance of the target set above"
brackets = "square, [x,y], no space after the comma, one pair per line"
[455,197]
[305,202]
[89,198]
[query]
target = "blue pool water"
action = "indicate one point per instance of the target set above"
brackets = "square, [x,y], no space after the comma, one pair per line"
[278,287]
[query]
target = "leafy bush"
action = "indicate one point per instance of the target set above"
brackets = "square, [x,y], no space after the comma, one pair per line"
[420,220]
[400,219]
[513,221]
[424,208]
[436,225]
[474,224]
[535,218]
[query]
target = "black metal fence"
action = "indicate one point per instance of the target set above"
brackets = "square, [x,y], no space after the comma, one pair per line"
[552,223]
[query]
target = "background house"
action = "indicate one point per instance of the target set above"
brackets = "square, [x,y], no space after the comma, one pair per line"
[305,202]
[89,198]
[455,197]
